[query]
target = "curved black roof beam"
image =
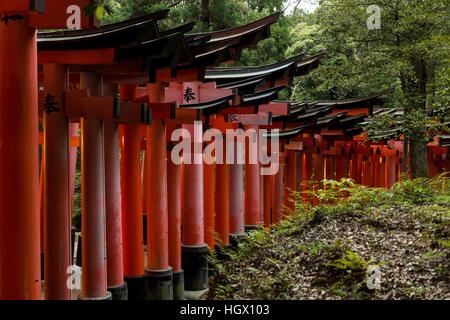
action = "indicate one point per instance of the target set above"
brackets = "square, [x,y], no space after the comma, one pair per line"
[133,31]
[286,134]
[330,119]
[352,103]
[288,68]
[312,115]
[261,97]
[242,31]
[210,107]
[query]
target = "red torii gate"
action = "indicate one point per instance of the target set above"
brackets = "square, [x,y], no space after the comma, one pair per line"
[79,104]
[19,217]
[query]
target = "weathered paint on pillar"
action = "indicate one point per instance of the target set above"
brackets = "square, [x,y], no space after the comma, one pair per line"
[261,199]
[307,176]
[209,195]
[174,208]
[223,201]
[57,220]
[157,218]
[289,179]
[41,200]
[19,164]
[267,200]
[93,218]
[113,205]
[192,199]
[132,224]
[251,192]
[318,175]
[277,196]
[143,184]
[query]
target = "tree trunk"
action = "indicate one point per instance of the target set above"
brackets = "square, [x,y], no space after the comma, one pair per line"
[205,14]
[417,143]
[418,157]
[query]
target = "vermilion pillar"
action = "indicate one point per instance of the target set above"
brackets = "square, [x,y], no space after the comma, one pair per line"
[341,167]
[132,224]
[93,217]
[19,163]
[374,167]
[158,270]
[251,192]
[236,194]
[193,249]
[144,185]
[209,195]
[277,195]
[267,200]
[174,213]
[391,174]
[307,176]
[366,180]
[318,175]
[353,170]
[289,180]
[329,168]
[41,207]
[381,172]
[298,171]
[57,221]
[144,193]
[223,201]
[261,199]
[114,247]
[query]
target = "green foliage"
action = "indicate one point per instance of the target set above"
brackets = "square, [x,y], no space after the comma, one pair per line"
[351,262]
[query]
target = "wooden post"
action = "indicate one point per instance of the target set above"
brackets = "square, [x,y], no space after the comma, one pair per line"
[251,192]
[174,216]
[307,176]
[114,246]
[236,195]
[223,201]
[57,230]
[93,219]
[19,165]
[193,249]
[209,195]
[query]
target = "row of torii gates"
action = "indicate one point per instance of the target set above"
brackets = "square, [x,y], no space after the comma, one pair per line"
[128,86]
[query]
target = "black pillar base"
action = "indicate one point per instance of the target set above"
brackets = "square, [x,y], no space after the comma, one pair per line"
[235,239]
[178,285]
[159,284]
[107,297]
[195,266]
[137,287]
[119,292]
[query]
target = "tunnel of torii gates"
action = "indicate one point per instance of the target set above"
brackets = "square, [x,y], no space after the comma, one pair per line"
[128,86]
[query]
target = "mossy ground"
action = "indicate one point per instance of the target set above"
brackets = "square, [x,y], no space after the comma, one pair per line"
[324,252]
